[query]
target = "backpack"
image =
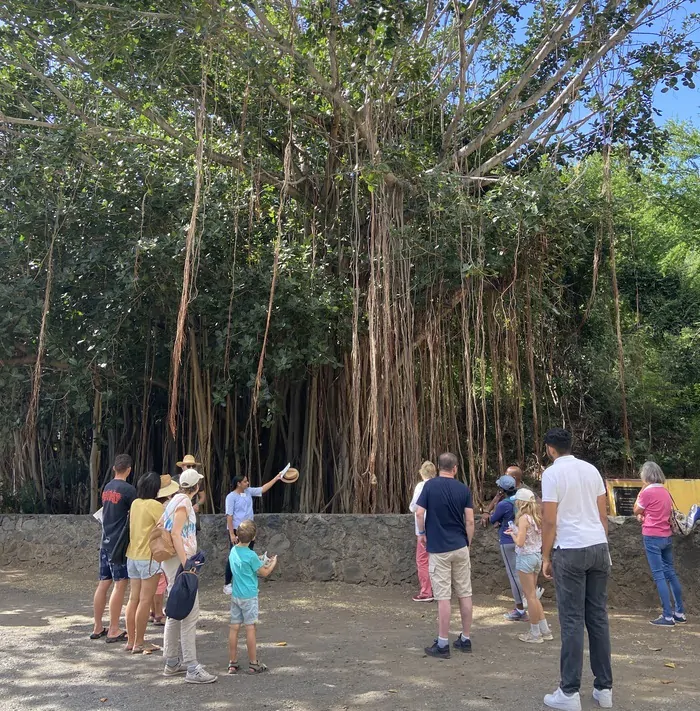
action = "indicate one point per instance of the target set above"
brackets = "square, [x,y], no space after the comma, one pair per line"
[160,542]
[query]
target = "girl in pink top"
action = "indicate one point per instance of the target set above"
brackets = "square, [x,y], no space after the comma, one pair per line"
[653,508]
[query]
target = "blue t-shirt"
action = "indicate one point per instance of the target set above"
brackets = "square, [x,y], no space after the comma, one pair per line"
[504,512]
[445,500]
[240,506]
[244,566]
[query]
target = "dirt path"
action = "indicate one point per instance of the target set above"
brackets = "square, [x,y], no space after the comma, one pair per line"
[347,648]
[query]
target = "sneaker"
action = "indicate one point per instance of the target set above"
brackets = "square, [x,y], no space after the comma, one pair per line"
[439,652]
[548,637]
[603,697]
[516,616]
[560,700]
[662,621]
[423,598]
[199,676]
[530,638]
[228,589]
[464,645]
[174,671]
[679,618]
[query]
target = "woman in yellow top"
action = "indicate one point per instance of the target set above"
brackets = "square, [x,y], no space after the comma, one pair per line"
[143,571]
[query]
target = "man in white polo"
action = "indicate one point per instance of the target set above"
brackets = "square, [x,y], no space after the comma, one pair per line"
[575,547]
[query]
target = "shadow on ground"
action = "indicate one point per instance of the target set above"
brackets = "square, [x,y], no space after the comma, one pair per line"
[346,648]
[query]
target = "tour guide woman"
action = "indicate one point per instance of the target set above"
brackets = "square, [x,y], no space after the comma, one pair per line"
[653,508]
[179,518]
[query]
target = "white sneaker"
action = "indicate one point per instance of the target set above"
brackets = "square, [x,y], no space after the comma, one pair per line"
[174,671]
[559,700]
[228,589]
[199,676]
[530,638]
[603,697]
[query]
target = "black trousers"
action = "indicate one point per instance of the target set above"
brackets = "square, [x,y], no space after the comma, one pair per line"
[228,575]
[581,579]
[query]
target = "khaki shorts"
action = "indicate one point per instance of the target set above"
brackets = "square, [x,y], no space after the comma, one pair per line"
[448,570]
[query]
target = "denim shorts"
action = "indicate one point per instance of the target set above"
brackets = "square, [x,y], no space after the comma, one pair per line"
[244,611]
[142,569]
[108,571]
[528,562]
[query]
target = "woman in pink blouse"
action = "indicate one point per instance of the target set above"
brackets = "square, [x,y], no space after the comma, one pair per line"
[653,508]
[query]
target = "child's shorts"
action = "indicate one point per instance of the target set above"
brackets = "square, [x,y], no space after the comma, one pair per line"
[528,562]
[162,585]
[244,611]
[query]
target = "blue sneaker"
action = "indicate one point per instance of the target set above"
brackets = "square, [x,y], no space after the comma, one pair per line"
[679,618]
[662,621]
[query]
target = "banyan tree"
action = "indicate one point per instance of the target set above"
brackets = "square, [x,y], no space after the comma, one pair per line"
[344,234]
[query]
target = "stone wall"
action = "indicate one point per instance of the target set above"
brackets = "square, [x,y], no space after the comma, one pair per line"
[373,550]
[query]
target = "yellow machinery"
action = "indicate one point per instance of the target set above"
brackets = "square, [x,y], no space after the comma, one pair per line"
[622,493]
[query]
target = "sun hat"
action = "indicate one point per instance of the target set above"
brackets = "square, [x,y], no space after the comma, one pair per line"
[506,482]
[167,486]
[290,476]
[190,477]
[188,462]
[524,495]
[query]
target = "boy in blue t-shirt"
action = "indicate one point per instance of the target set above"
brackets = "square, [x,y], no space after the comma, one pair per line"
[246,566]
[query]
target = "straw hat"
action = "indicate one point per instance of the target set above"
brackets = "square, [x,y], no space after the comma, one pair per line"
[290,476]
[167,486]
[188,462]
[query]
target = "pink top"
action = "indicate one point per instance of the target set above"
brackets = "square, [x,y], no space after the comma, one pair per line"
[656,502]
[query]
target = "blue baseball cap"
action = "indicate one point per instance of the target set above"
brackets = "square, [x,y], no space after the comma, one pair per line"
[506,482]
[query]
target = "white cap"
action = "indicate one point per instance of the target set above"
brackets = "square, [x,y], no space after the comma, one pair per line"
[524,495]
[190,478]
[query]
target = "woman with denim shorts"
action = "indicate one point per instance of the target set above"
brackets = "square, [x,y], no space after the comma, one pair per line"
[527,536]
[143,571]
[653,508]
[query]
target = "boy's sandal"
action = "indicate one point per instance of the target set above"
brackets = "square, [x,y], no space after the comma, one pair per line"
[256,668]
[233,667]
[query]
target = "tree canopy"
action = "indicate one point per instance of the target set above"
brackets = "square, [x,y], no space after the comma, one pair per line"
[346,234]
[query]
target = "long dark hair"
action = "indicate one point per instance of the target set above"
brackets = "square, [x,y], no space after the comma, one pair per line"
[238,479]
[148,486]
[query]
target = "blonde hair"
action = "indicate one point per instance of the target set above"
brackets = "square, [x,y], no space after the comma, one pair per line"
[427,471]
[528,508]
[246,531]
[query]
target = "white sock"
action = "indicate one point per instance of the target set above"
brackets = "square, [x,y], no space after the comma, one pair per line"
[544,627]
[463,637]
[535,630]
[443,642]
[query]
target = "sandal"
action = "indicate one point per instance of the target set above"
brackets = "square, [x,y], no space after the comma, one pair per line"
[145,649]
[99,635]
[151,618]
[233,667]
[128,647]
[119,638]
[256,668]
[159,621]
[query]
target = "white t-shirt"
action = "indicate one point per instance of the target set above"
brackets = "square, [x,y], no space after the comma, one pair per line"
[414,502]
[575,486]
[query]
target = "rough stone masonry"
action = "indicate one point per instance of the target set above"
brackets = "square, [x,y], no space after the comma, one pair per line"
[362,549]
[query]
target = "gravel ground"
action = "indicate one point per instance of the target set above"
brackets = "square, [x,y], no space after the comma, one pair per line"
[346,648]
